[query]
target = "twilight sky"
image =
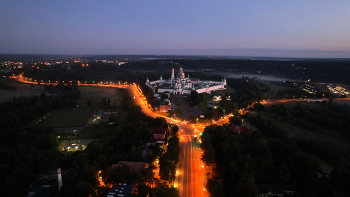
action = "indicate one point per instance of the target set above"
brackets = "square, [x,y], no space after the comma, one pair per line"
[280,28]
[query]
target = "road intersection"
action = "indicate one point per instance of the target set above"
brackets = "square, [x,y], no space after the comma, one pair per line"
[191,175]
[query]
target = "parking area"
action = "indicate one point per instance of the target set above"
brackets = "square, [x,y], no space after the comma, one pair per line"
[187,109]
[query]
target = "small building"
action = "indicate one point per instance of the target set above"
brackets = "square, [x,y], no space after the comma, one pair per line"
[105,117]
[150,142]
[235,128]
[240,129]
[97,115]
[159,133]
[217,98]
[210,104]
[165,106]
[266,190]
[246,131]
[74,147]
[184,85]
[121,190]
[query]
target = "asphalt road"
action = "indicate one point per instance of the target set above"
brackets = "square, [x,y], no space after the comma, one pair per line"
[192,172]
[191,179]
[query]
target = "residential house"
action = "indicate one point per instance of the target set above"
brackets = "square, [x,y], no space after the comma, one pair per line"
[159,133]
[267,190]
[121,190]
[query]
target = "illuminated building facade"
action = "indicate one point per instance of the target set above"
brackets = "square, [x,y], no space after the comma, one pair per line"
[184,85]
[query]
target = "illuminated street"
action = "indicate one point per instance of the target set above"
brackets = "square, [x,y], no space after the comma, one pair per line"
[191,180]
[191,177]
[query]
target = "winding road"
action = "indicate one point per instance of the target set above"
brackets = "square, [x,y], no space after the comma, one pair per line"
[191,173]
[191,177]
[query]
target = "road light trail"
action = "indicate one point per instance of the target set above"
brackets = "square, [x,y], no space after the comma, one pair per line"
[193,174]
[190,185]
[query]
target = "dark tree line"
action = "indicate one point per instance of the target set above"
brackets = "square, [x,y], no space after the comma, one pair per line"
[31,151]
[331,116]
[169,160]
[316,70]
[268,156]
[119,143]
[19,111]
[5,86]
[245,93]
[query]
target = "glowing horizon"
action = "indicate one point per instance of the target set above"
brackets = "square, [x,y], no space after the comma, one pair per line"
[230,28]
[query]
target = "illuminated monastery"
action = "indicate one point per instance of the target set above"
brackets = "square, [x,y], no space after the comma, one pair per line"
[184,85]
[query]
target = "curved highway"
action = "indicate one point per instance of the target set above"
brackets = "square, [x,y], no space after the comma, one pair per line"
[190,178]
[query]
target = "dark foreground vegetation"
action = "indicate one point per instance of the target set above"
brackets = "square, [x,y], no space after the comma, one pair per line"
[240,161]
[334,117]
[28,152]
[267,157]
[20,110]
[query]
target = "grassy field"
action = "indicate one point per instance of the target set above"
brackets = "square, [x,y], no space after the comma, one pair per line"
[203,104]
[96,94]
[177,109]
[78,117]
[21,89]
[208,97]
[91,132]
[322,136]
[223,92]
[66,117]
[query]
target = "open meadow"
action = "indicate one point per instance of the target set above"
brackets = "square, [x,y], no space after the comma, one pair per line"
[78,117]
[96,94]
[20,89]
[318,133]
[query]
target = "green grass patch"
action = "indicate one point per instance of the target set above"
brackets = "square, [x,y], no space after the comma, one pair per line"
[177,108]
[96,94]
[203,104]
[92,132]
[66,117]
[223,92]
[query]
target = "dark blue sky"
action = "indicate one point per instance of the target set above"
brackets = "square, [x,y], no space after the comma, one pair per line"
[312,28]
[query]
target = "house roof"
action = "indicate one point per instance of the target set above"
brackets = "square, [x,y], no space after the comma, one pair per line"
[235,128]
[159,130]
[239,129]
[274,189]
[98,113]
[246,130]
[121,190]
[74,147]
[164,103]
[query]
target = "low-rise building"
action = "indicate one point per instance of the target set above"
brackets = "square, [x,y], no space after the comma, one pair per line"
[121,190]
[184,85]
[74,147]
[105,117]
[159,133]
[165,106]
[266,190]
[97,115]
